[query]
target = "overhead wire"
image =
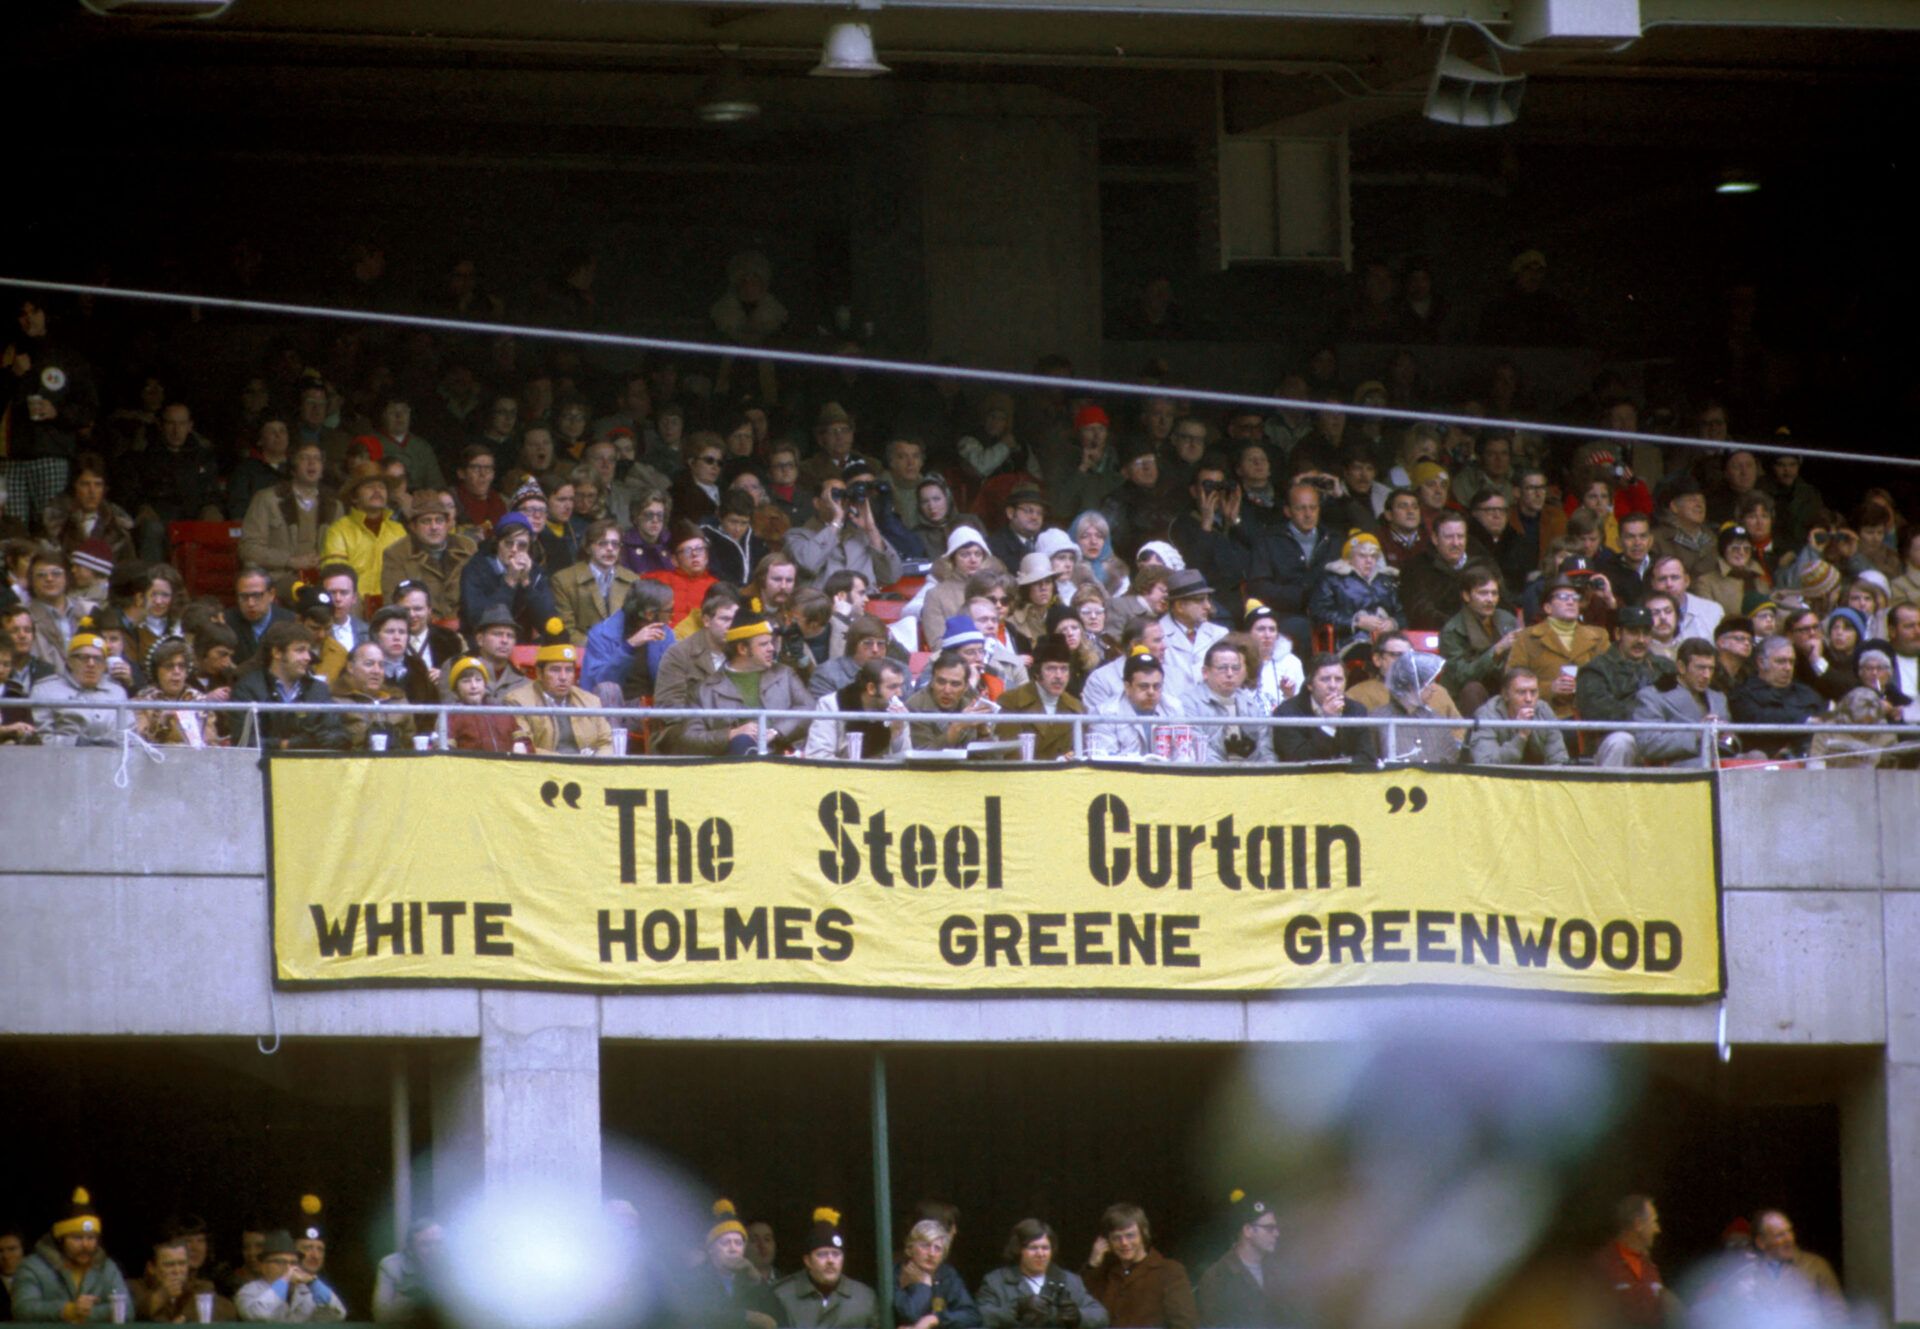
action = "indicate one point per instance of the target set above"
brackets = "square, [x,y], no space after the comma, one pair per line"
[828,360]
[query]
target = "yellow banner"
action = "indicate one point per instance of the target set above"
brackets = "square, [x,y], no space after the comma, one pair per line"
[446,868]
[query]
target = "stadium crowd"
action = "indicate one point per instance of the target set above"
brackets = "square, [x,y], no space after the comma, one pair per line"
[424,517]
[732,1278]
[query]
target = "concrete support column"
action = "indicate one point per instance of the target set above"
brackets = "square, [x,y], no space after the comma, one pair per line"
[523,1105]
[1880,1136]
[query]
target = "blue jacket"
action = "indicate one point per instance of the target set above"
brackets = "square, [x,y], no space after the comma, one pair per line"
[483,585]
[947,1297]
[611,660]
[1340,594]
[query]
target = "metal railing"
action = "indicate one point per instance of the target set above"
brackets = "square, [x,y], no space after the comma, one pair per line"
[1709,733]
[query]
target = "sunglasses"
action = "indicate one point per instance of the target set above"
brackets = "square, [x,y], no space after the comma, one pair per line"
[709,459]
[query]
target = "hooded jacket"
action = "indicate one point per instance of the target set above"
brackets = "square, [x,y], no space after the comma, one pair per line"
[42,1287]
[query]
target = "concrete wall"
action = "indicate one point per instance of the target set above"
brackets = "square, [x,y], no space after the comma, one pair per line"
[1822,909]
[143,911]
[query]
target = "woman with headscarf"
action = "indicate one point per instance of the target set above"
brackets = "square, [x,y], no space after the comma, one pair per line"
[1857,706]
[1094,537]
[933,501]
[1410,682]
[1358,594]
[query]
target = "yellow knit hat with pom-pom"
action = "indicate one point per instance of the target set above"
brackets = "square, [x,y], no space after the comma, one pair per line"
[80,1216]
[726,1220]
[825,1233]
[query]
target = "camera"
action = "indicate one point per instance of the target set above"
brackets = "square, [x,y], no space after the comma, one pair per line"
[861,490]
[1214,486]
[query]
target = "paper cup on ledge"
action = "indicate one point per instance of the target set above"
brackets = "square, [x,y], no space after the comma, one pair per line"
[856,746]
[1028,742]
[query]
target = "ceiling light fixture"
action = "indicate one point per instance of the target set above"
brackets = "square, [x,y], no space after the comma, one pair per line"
[848,53]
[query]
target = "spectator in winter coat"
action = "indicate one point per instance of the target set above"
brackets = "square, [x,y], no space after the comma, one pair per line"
[820,1295]
[1325,697]
[506,575]
[1241,1290]
[284,674]
[68,1277]
[1492,744]
[1031,1290]
[86,681]
[928,1293]
[1772,696]
[363,535]
[1686,699]
[1141,1288]
[286,1293]
[1357,595]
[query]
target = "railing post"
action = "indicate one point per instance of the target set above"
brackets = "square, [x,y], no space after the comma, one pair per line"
[764,738]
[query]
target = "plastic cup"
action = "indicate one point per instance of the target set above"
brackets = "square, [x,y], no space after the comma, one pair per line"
[378,742]
[856,746]
[1028,742]
[119,1300]
[423,742]
[620,737]
[203,1307]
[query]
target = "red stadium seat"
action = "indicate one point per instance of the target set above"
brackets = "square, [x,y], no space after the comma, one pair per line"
[525,659]
[1424,641]
[207,554]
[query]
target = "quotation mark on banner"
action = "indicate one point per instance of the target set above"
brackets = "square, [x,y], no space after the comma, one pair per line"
[1413,800]
[570,794]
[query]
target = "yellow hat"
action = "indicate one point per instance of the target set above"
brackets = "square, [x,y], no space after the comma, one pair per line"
[749,622]
[1355,539]
[560,652]
[465,664]
[725,1221]
[82,640]
[80,1217]
[1426,470]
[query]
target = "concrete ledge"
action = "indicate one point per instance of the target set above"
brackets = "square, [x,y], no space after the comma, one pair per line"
[179,955]
[194,814]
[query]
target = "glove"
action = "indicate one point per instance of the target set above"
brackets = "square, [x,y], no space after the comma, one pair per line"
[1066,1314]
[1030,1309]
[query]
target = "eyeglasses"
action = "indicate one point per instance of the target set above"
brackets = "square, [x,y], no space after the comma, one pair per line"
[708,459]
[788,465]
[1000,599]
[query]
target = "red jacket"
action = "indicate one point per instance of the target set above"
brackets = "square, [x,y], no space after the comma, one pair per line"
[1633,1284]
